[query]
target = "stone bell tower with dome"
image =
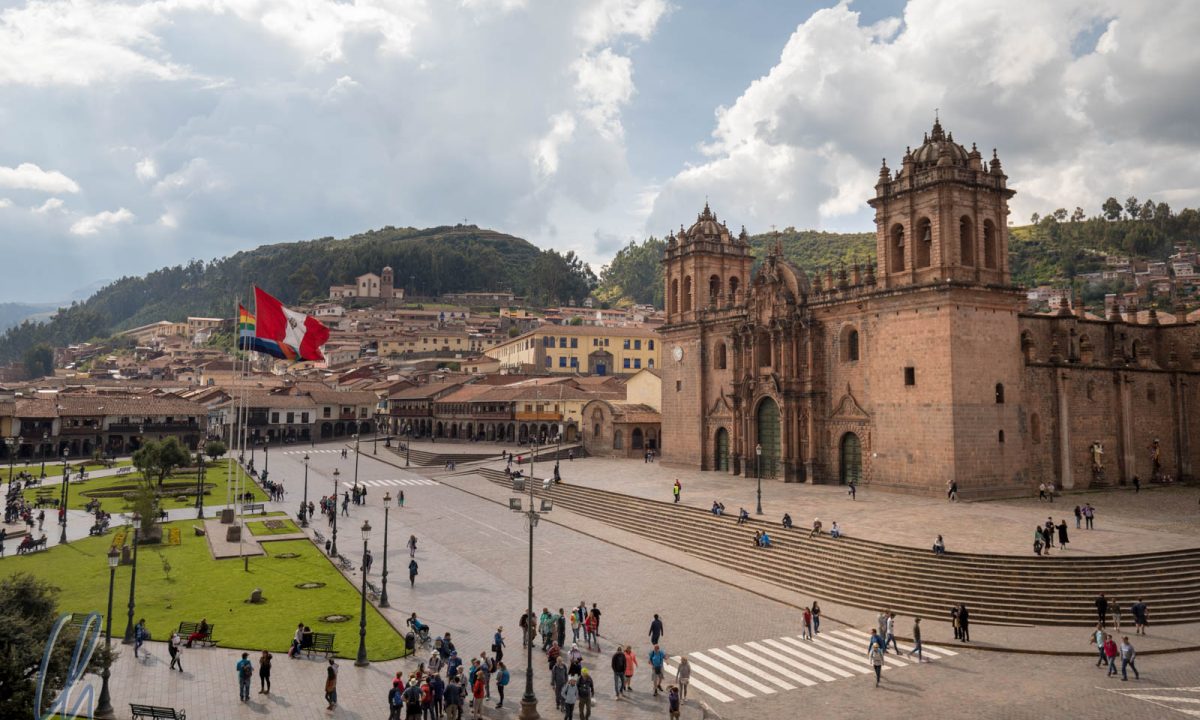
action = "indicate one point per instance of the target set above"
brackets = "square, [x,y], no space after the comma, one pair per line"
[942,216]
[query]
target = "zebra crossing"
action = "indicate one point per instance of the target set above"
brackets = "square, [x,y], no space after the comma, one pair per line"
[398,481]
[765,667]
[337,451]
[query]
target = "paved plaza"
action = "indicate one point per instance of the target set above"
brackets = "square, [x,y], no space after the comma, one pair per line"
[742,636]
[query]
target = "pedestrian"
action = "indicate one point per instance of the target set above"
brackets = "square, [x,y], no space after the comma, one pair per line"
[41,519]
[575,626]
[1089,515]
[412,545]
[1139,616]
[477,692]
[264,673]
[675,490]
[1078,516]
[412,699]
[806,633]
[589,631]
[395,701]
[1137,488]
[853,491]
[1062,534]
[916,633]
[1115,606]
[683,676]
[558,678]
[560,627]
[596,622]
[656,629]
[952,490]
[1101,609]
[631,664]
[673,702]
[618,668]
[498,644]
[570,696]
[1110,655]
[245,671]
[452,698]
[1127,655]
[366,564]
[173,647]
[657,658]
[964,622]
[875,655]
[1041,492]
[502,680]
[412,573]
[1039,540]
[1097,639]
[890,637]
[587,690]
[331,672]
[140,636]
[816,613]
[400,499]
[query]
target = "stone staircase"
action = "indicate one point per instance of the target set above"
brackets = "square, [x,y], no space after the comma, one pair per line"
[999,589]
[423,458]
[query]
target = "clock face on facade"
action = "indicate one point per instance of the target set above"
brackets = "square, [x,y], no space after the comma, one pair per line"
[678,353]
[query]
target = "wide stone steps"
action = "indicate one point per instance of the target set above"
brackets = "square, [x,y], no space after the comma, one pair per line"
[1003,589]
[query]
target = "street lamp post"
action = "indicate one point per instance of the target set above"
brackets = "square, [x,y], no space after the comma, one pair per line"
[200,481]
[132,583]
[12,452]
[407,443]
[375,441]
[333,544]
[66,494]
[387,502]
[529,700]
[356,463]
[104,708]
[362,661]
[266,458]
[45,439]
[758,467]
[304,503]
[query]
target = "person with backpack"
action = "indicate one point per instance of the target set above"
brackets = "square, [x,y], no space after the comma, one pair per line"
[498,644]
[673,702]
[570,696]
[395,700]
[245,671]
[502,680]
[587,690]
[657,658]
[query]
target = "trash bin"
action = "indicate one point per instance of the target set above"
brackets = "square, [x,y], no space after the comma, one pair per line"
[410,642]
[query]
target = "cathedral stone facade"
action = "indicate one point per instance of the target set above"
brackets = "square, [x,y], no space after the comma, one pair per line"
[921,369]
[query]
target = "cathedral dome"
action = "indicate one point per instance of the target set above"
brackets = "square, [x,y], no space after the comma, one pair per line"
[706,227]
[938,145]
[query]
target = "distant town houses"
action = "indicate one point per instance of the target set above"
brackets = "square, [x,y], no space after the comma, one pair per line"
[369,286]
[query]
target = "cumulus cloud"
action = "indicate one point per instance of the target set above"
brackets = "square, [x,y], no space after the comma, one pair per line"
[146,169]
[93,224]
[5,202]
[1083,99]
[28,176]
[51,205]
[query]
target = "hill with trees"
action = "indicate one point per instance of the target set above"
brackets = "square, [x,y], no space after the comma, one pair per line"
[427,262]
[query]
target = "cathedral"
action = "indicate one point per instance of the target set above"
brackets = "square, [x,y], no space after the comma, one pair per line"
[921,368]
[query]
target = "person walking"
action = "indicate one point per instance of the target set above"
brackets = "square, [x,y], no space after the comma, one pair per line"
[1137,486]
[916,649]
[1115,606]
[587,690]
[596,621]
[816,613]
[875,656]
[140,635]
[558,678]
[412,573]
[498,644]
[400,500]
[806,632]
[631,664]
[618,668]
[1127,655]
[560,627]
[675,490]
[673,702]
[1110,654]
[657,658]
[1078,516]
[412,546]
[890,637]
[245,671]
[331,673]
[173,647]
[570,696]
[1101,609]
[1097,639]
[952,491]
[656,629]
[575,626]
[1062,534]
[264,673]
[683,676]
[1139,616]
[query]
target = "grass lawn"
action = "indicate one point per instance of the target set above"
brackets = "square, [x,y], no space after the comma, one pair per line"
[54,469]
[199,587]
[81,494]
[259,527]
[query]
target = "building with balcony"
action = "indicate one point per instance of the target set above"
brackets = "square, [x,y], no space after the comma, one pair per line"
[579,349]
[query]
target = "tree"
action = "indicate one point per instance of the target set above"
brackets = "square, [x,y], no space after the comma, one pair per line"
[29,611]
[39,361]
[1111,209]
[1060,214]
[215,449]
[1148,210]
[1162,212]
[1132,207]
[156,460]
[1078,215]
[1033,219]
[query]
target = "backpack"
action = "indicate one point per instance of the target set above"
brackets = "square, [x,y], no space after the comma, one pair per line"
[247,670]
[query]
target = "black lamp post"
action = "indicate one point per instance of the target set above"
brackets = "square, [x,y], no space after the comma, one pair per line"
[200,481]
[362,661]
[12,452]
[356,463]
[304,503]
[387,501]
[132,583]
[45,439]
[758,467]
[266,457]
[407,443]
[66,494]
[333,544]
[529,700]
[375,441]
[104,708]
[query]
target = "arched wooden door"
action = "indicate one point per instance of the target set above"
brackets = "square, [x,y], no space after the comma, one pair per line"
[851,459]
[722,458]
[768,436]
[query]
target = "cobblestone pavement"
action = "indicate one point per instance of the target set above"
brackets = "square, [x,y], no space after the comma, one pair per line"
[473,564]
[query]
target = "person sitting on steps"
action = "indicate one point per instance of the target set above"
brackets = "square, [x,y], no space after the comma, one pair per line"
[787,521]
[816,528]
[939,546]
[743,516]
[835,532]
[718,509]
[764,540]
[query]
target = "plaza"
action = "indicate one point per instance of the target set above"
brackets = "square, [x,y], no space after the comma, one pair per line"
[741,633]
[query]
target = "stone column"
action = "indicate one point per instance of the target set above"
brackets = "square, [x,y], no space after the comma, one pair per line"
[1128,450]
[1064,431]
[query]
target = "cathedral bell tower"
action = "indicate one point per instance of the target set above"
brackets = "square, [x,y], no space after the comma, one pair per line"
[704,267]
[942,216]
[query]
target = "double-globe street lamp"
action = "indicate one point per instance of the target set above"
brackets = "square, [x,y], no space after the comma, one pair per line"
[104,708]
[362,661]
[200,481]
[12,455]
[333,543]
[304,502]
[758,467]
[128,640]
[387,501]
[66,494]
[529,700]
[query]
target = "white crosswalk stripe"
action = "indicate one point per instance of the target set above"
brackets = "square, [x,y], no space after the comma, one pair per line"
[757,668]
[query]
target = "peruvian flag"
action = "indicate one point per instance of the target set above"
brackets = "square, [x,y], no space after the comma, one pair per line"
[294,331]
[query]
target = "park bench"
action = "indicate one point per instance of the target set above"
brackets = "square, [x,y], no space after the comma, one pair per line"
[344,562]
[318,538]
[39,544]
[321,643]
[254,507]
[154,712]
[98,529]
[187,628]
[198,530]
[125,470]
[372,590]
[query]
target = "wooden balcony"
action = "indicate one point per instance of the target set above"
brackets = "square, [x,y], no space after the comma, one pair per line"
[538,416]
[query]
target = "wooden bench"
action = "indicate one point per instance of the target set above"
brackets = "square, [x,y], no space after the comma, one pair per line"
[186,629]
[125,471]
[39,544]
[254,507]
[321,643]
[154,712]
[198,530]
[372,590]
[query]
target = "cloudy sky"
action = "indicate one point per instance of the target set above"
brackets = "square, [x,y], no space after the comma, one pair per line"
[134,135]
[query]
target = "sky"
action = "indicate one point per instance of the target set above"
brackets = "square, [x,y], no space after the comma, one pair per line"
[137,135]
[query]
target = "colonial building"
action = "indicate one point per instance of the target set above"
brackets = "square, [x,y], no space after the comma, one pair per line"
[922,370]
[369,285]
[572,349]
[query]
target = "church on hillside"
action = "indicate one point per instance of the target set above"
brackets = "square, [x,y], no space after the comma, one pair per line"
[918,370]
